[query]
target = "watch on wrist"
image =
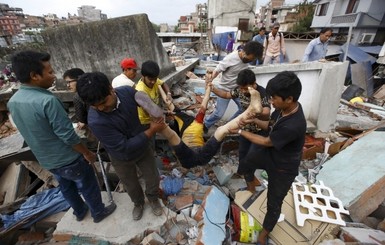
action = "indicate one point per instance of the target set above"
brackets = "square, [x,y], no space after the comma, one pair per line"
[239,131]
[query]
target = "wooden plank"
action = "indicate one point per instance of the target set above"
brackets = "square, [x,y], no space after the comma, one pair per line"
[368,201]
[8,183]
[41,173]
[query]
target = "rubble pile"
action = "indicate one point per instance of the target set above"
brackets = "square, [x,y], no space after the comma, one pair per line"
[6,129]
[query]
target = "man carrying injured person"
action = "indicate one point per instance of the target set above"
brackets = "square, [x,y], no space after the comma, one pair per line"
[191,154]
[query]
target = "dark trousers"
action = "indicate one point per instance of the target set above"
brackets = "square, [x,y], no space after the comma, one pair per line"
[189,157]
[126,171]
[244,146]
[279,182]
[80,176]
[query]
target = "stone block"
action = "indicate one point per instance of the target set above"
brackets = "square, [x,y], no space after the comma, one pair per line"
[153,239]
[362,235]
[184,201]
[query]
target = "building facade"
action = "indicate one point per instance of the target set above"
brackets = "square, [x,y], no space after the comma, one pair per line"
[237,13]
[366,17]
[90,13]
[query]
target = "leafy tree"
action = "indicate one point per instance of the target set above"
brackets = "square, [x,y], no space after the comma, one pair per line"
[305,16]
[156,27]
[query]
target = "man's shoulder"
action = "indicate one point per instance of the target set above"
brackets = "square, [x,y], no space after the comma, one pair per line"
[140,86]
[261,90]
[125,90]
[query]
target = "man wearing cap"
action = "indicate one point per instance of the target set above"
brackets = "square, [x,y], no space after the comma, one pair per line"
[274,45]
[129,68]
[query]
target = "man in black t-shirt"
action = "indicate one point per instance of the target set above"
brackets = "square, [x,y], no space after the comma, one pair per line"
[280,152]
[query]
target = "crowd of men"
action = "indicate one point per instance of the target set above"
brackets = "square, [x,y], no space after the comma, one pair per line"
[125,116]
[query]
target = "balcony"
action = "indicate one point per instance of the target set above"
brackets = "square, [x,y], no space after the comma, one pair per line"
[344,19]
[359,19]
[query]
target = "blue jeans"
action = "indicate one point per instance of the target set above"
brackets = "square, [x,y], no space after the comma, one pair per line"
[220,110]
[80,176]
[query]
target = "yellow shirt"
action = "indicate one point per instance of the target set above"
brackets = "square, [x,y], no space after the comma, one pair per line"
[154,95]
[193,135]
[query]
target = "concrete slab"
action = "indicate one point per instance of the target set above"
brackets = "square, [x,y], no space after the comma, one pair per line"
[357,175]
[322,85]
[118,228]
[94,46]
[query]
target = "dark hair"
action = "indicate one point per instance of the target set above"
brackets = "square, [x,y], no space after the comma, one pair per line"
[262,29]
[150,69]
[73,73]
[93,87]
[25,62]
[230,35]
[284,85]
[246,77]
[325,29]
[254,48]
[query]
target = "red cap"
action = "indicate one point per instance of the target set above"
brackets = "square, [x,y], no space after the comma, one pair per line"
[127,63]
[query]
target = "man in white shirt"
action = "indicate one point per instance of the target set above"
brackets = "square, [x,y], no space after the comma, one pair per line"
[129,68]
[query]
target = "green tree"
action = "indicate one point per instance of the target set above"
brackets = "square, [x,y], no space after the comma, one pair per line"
[305,16]
[156,27]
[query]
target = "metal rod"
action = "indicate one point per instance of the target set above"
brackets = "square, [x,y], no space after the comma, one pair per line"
[104,175]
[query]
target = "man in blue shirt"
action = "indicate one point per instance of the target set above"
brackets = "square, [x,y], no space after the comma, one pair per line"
[113,119]
[260,37]
[318,47]
[42,121]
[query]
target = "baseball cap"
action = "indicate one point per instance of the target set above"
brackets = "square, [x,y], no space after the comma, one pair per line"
[276,24]
[129,63]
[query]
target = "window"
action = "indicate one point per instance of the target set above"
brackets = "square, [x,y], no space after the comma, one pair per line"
[243,24]
[352,6]
[322,9]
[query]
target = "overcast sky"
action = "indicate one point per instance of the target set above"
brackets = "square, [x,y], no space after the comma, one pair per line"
[158,11]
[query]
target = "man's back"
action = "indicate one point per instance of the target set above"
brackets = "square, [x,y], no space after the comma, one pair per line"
[45,126]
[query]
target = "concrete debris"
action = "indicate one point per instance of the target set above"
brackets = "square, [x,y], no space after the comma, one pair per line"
[362,235]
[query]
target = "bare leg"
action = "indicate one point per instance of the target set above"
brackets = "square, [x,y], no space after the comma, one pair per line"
[254,108]
[263,236]
[206,97]
[172,137]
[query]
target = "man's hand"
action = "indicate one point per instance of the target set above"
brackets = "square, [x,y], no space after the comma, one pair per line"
[158,119]
[90,157]
[233,130]
[169,98]
[157,126]
[81,125]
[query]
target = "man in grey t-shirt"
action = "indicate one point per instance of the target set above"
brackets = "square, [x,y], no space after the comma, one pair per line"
[230,66]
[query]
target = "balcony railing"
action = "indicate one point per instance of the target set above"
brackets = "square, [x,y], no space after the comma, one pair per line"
[342,19]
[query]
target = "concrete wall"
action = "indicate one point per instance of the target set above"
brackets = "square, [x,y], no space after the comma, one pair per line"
[322,86]
[101,45]
[228,13]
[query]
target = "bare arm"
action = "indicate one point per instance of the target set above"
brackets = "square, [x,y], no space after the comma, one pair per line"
[82,149]
[214,75]
[154,128]
[257,139]
[221,93]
